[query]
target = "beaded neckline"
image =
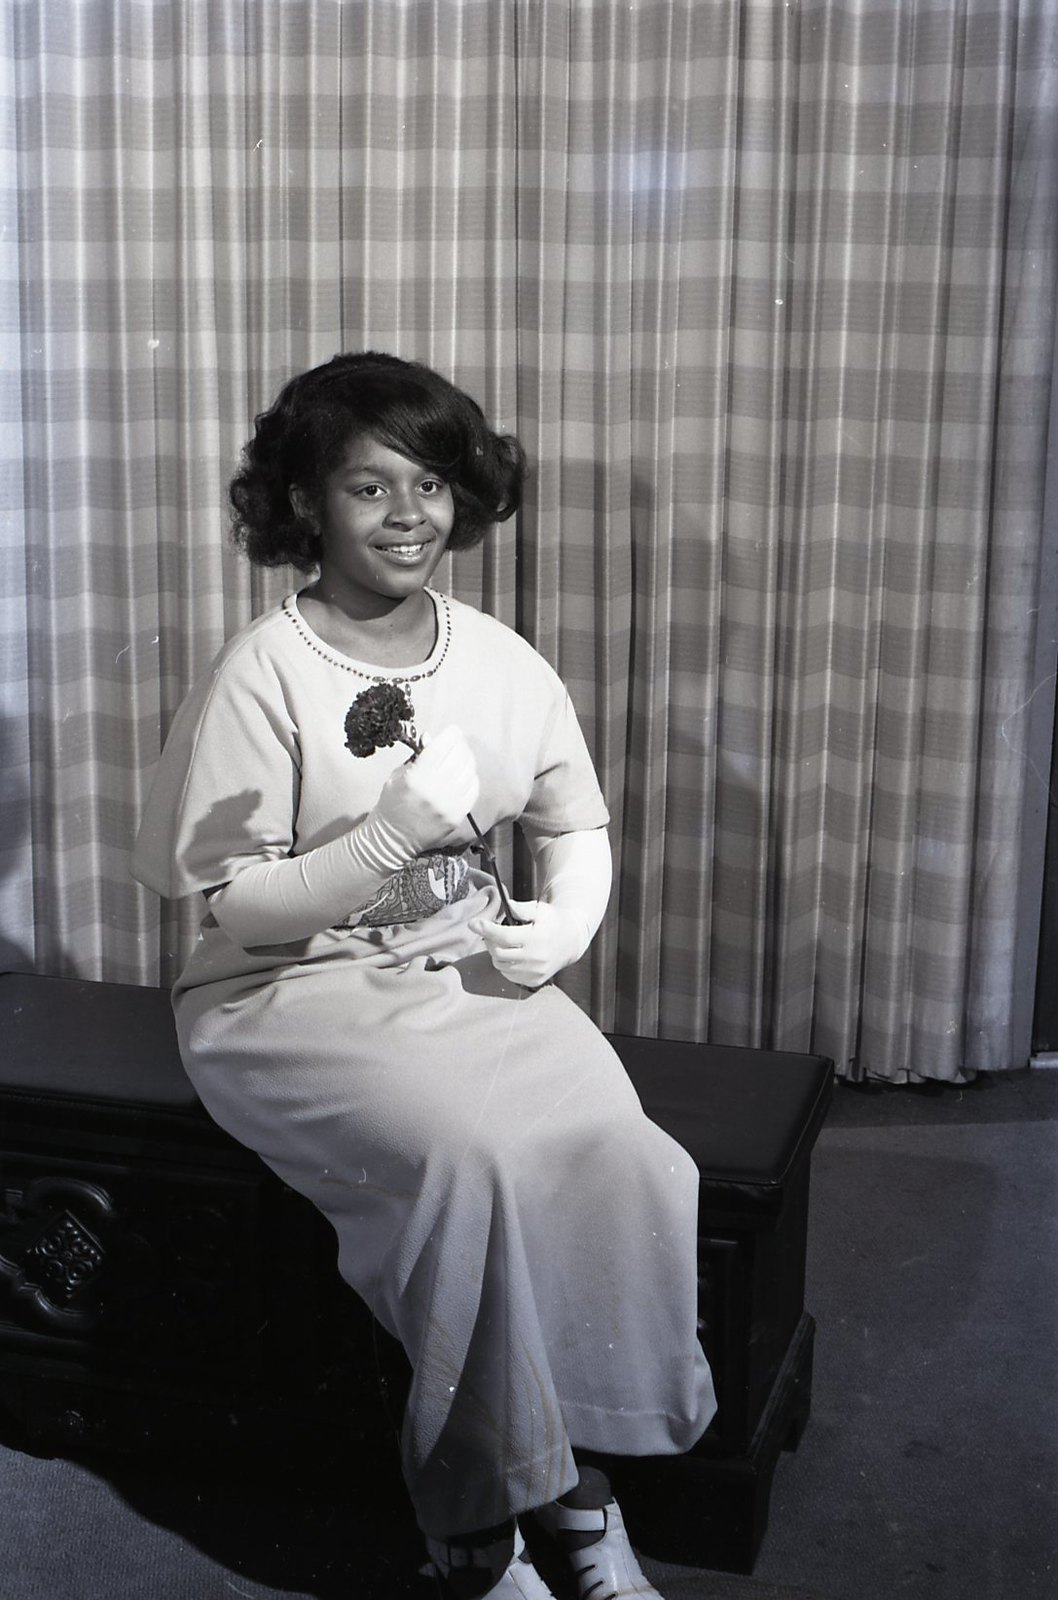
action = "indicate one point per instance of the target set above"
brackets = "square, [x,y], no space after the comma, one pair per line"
[380,674]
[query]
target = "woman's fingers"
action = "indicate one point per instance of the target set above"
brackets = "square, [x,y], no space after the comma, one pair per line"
[551,939]
[498,936]
[429,797]
[445,774]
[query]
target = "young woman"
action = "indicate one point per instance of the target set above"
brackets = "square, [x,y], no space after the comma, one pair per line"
[360,1011]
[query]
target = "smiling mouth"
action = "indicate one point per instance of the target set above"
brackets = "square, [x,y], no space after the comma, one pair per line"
[406,550]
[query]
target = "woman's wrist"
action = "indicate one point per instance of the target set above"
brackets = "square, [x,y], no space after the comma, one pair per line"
[380,845]
[578,924]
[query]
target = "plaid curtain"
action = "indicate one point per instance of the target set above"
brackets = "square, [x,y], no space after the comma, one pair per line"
[767,290]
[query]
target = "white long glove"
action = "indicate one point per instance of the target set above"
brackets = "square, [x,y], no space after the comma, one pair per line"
[423,806]
[576,870]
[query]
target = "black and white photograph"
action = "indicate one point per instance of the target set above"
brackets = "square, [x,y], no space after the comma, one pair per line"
[528,800]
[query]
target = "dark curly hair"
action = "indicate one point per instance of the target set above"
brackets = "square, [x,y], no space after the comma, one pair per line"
[403,405]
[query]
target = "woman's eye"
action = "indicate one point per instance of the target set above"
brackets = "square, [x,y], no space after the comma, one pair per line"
[431,486]
[369,491]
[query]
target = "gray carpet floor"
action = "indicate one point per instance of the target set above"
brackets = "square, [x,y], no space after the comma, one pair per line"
[930,1465]
[929,1468]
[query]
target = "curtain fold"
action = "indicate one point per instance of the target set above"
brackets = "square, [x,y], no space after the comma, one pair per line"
[767,290]
[16,846]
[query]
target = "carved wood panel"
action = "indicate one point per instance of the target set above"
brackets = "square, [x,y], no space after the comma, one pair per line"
[119,1263]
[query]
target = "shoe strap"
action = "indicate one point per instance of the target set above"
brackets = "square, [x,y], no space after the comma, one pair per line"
[573,1519]
[455,1555]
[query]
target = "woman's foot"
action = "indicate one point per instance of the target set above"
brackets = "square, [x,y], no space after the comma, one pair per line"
[497,1570]
[596,1546]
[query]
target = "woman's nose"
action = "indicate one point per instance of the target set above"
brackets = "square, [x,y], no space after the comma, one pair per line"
[404,510]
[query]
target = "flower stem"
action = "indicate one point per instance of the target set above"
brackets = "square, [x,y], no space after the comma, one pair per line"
[490,861]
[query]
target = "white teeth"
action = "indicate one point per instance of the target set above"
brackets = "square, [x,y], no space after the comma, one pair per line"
[404,549]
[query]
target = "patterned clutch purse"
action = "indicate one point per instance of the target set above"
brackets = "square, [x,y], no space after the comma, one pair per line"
[424,886]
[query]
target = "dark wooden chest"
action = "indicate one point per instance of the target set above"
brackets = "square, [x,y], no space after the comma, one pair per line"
[161,1291]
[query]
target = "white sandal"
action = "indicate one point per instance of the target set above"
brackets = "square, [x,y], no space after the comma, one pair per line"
[607,1568]
[516,1579]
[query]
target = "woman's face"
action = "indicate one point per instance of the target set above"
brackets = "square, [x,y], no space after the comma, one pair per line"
[384,525]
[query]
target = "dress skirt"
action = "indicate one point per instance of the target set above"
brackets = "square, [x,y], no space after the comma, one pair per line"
[501,1202]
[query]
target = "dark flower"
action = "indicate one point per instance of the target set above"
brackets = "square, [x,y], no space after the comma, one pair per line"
[376,720]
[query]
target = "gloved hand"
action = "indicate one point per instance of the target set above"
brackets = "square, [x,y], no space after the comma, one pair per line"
[426,800]
[422,806]
[550,938]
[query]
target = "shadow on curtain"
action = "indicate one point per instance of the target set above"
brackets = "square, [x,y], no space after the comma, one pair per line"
[768,293]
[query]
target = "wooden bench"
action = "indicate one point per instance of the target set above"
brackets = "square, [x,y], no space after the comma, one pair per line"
[161,1290]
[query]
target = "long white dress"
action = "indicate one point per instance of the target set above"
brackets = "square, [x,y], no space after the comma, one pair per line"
[500,1200]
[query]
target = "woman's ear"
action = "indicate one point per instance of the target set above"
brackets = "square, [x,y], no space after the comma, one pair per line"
[299,500]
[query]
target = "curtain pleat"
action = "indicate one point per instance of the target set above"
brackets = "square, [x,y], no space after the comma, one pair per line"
[16,841]
[766,290]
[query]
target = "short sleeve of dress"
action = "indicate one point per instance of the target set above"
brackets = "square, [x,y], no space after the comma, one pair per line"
[225,789]
[565,796]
